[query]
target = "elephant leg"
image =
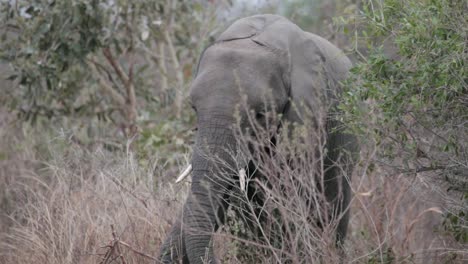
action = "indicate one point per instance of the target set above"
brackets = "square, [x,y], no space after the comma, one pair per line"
[337,193]
[339,164]
[345,211]
[173,248]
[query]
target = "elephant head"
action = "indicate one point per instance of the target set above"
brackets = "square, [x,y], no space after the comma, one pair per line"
[263,56]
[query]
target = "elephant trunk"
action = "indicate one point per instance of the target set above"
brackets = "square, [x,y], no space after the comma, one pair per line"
[214,166]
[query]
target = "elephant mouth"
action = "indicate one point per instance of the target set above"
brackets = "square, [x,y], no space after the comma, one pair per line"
[244,170]
[188,170]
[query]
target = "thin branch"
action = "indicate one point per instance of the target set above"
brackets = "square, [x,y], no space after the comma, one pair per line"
[163,67]
[116,245]
[129,191]
[153,55]
[137,251]
[428,129]
[170,44]
[107,88]
[131,96]
[130,102]
[432,168]
[178,70]
[117,68]
[175,60]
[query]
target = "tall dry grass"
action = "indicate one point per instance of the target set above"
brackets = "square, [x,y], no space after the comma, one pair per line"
[63,203]
[79,206]
[393,219]
[397,218]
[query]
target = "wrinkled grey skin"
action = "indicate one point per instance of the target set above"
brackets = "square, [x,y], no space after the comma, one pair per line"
[261,54]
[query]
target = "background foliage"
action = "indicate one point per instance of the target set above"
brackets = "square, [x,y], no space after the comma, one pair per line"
[414,80]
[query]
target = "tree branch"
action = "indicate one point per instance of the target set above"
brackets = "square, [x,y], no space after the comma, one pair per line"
[178,70]
[175,60]
[137,251]
[432,168]
[116,66]
[163,67]
[107,88]
[130,102]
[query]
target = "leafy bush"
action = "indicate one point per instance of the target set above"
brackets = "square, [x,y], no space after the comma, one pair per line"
[100,59]
[415,86]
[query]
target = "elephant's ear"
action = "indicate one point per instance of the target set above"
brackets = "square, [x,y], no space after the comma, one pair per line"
[308,78]
[317,67]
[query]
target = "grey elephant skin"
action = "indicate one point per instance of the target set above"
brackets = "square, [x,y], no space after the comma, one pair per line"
[257,55]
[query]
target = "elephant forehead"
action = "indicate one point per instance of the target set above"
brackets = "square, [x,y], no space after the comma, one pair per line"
[239,53]
[236,68]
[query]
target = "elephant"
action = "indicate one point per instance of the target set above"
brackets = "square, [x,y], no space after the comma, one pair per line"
[261,54]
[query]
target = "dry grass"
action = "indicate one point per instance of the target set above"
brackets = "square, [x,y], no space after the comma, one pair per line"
[394,219]
[64,204]
[397,218]
[63,210]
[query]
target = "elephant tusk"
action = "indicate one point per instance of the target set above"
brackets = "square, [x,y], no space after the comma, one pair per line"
[184,174]
[242,176]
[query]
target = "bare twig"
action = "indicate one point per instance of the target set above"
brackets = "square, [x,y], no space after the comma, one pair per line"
[116,245]
[137,251]
[431,168]
[113,247]
[129,191]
